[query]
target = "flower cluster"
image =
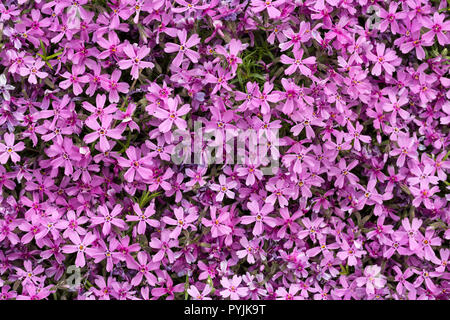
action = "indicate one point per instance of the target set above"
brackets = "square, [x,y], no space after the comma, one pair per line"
[350,97]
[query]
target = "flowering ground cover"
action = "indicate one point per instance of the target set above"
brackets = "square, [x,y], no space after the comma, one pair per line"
[228,149]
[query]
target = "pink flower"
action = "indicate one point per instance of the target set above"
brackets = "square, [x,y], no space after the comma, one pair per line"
[390,18]
[164,246]
[372,279]
[136,62]
[296,39]
[74,79]
[80,247]
[437,27]
[9,149]
[143,267]
[99,111]
[113,45]
[108,219]
[406,147]
[412,230]
[196,176]
[32,71]
[350,253]
[298,63]
[183,48]
[231,55]
[259,217]
[385,58]
[342,172]
[224,188]
[269,5]
[172,115]
[196,295]
[135,164]
[283,294]
[143,218]
[232,288]
[217,223]
[423,195]
[182,222]
[113,86]
[265,97]
[102,131]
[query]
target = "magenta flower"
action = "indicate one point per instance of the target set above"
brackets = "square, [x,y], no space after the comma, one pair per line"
[390,18]
[80,247]
[395,106]
[108,219]
[437,27]
[9,149]
[102,131]
[224,188]
[196,295]
[372,279]
[143,218]
[99,111]
[265,97]
[343,173]
[143,266]
[278,192]
[426,241]
[182,222]
[356,136]
[113,86]
[196,177]
[107,252]
[135,164]
[135,61]
[296,39]
[32,71]
[284,294]
[183,48]
[385,58]
[232,288]
[188,6]
[231,55]
[270,6]
[259,217]
[112,46]
[298,63]
[406,147]
[164,246]
[63,154]
[423,195]
[171,116]
[412,230]
[168,288]
[350,252]
[217,223]
[29,275]
[74,79]
[121,200]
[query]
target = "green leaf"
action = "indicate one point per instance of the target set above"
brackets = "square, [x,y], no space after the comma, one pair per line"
[54,55]
[186,287]
[446,156]
[257,76]
[210,283]
[43,48]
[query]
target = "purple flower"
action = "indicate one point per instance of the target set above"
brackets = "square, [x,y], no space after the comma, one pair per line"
[80,247]
[135,60]
[9,149]
[232,288]
[259,217]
